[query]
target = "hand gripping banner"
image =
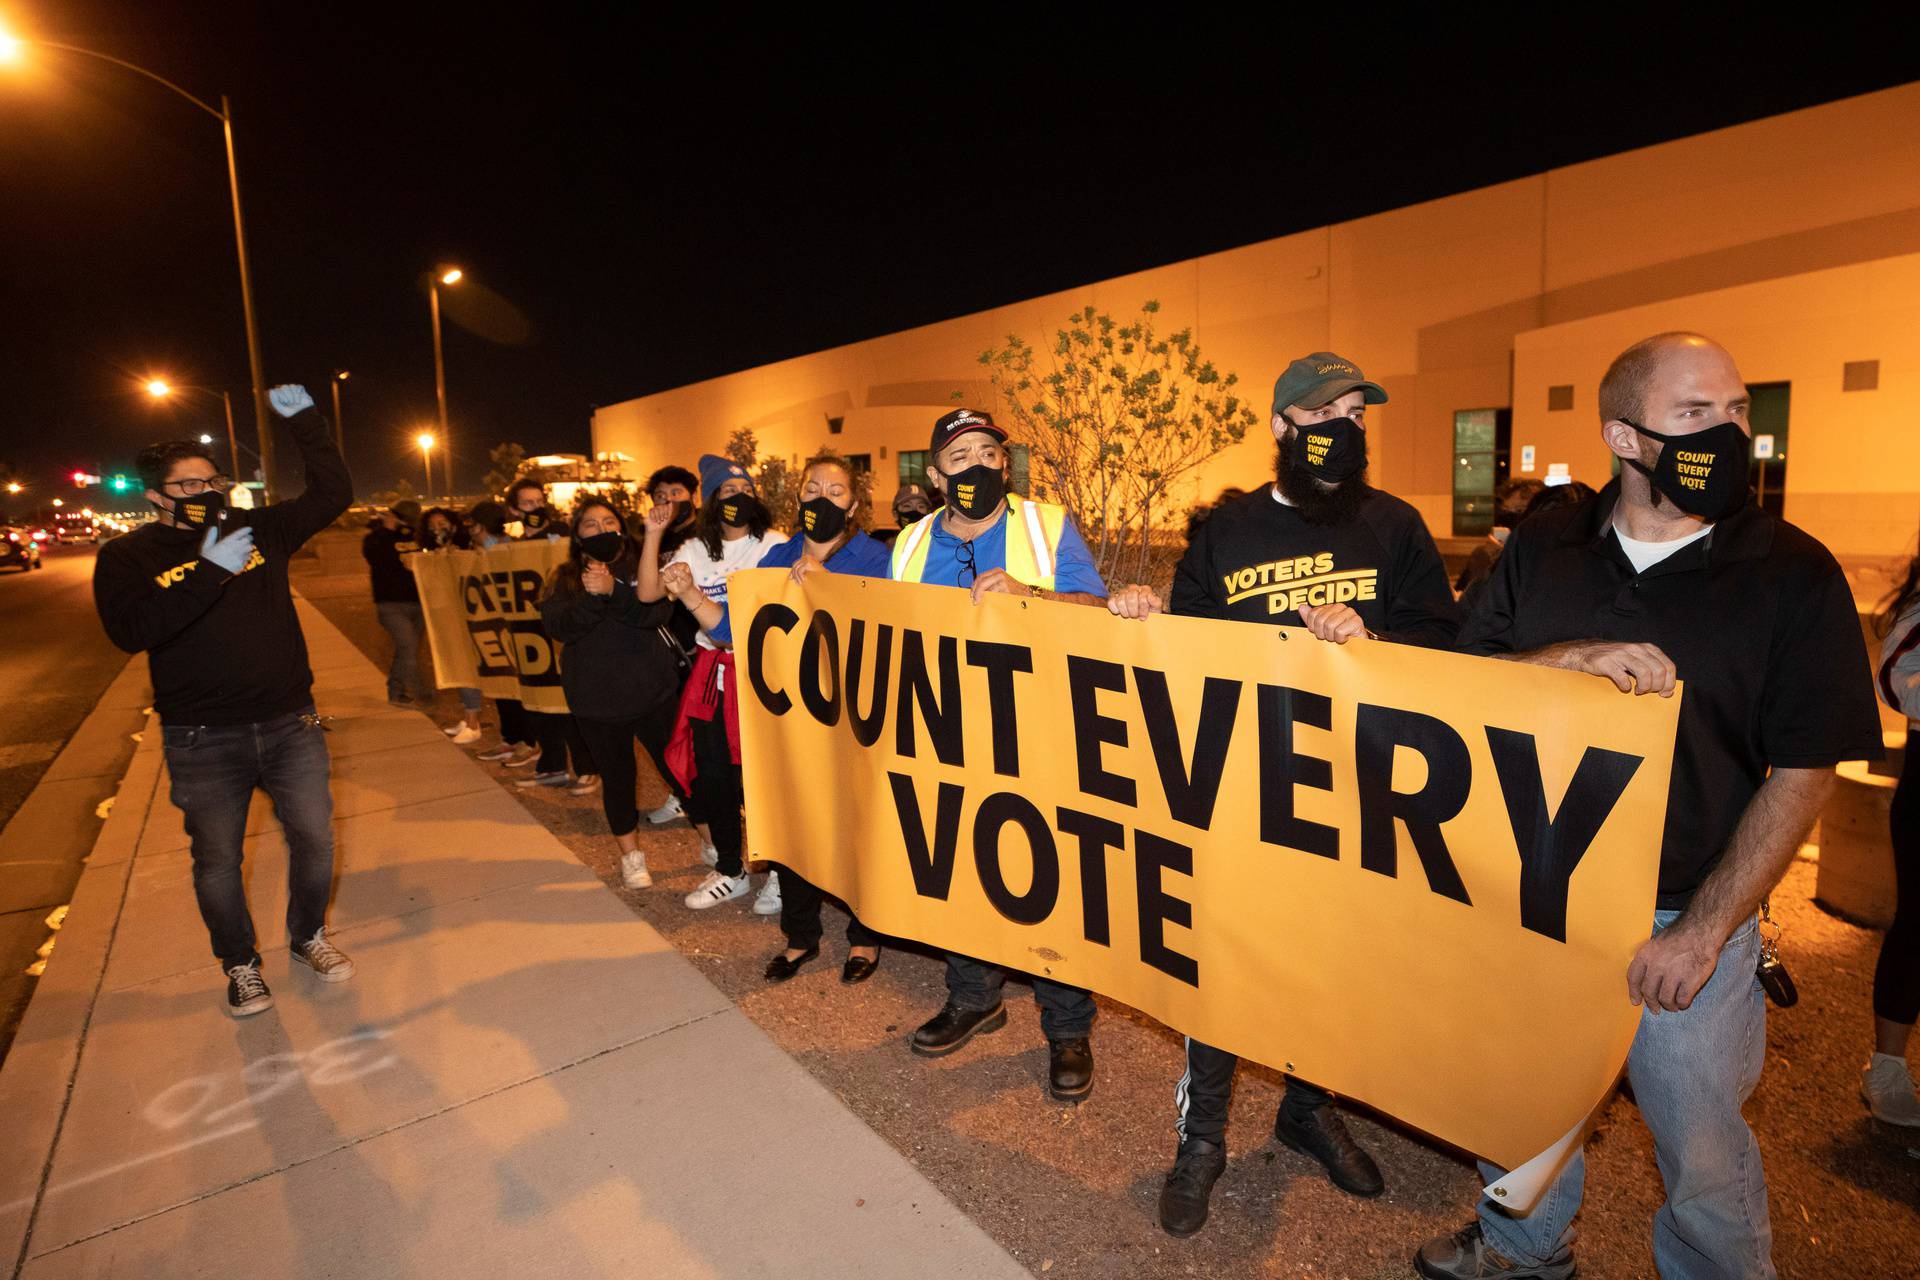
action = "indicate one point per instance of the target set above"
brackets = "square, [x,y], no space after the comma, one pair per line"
[483,620]
[1415,878]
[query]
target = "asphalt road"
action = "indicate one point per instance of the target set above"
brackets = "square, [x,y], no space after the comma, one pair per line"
[55,663]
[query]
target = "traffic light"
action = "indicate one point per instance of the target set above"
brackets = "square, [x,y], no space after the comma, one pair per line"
[119,484]
[79,479]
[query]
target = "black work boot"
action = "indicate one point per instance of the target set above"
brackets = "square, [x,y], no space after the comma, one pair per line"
[953,1026]
[1070,1068]
[1183,1201]
[1322,1134]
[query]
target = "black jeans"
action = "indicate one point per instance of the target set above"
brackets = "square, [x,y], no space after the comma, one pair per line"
[404,625]
[1896,979]
[1066,1013]
[516,722]
[610,743]
[800,901]
[559,737]
[1205,1091]
[716,789]
[214,772]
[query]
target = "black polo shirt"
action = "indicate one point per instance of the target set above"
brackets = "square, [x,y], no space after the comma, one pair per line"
[1757,619]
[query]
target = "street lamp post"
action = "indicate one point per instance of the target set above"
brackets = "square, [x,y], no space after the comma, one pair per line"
[339,423]
[425,441]
[10,47]
[160,389]
[440,276]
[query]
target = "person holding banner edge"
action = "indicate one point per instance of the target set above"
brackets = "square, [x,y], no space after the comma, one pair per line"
[989,541]
[1321,545]
[705,750]
[618,680]
[830,539]
[1672,572]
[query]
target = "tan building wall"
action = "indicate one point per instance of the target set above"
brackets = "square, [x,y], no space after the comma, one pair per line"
[1429,299]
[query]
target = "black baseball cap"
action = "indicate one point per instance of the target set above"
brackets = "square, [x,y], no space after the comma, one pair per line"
[1314,380]
[958,423]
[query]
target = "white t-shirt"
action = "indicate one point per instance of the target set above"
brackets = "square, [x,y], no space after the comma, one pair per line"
[710,575]
[1645,555]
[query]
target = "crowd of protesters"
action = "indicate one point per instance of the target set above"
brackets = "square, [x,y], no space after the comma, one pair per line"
[1669,572]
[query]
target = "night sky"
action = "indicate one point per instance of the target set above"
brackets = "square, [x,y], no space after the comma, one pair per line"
[642,201]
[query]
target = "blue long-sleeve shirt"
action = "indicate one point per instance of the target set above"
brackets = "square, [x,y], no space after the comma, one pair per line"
[861,556]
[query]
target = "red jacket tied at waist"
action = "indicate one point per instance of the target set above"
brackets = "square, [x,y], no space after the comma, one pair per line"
[709,691]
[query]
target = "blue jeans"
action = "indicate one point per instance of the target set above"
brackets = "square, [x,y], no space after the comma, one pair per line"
[1066,1013]
[404,625]
[1691,1072]
[214,770]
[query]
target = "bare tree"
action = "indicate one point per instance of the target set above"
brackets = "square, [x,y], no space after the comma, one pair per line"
[1114,415]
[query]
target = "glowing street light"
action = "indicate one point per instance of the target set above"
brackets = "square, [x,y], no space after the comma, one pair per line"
[12,51]
[158,388]
[448,276]
[59,502]
[205,438]
[14,486]
[425,441]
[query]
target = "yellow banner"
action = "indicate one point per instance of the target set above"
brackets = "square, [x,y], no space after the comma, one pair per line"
[483,620]
[1415,878]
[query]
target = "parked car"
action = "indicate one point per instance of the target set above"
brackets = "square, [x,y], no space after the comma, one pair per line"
[19,550]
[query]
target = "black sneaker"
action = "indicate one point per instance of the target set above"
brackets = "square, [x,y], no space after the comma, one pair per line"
[953,1026]
[247,992]
[1466,1255]
[1183,1201]
[1323,1135]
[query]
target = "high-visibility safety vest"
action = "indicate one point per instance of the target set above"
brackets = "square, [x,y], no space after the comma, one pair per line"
[1033,532]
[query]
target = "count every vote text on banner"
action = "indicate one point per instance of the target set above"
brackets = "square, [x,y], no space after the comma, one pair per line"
[483,620]
[1416,878]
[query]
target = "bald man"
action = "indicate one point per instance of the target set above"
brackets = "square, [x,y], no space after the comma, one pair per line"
[1670,573]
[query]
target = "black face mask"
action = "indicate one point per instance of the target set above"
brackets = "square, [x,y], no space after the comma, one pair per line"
[199,511]
[1705,473]
[740,510]
[604,547]
[1331,450]
[977,491]
[682,511]
[534,519]
[907,515]
[822,520]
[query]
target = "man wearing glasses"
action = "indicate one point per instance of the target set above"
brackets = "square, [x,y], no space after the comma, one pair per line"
[203,591]
[989,540]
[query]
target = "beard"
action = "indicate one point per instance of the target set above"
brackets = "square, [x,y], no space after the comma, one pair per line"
[1316,501]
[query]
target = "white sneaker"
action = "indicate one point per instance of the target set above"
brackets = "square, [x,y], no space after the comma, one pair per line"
[709,855]
[767,901]
[450,730]
[668,812]
[464,734]
[716,889]
[1887,1089]
[633,870]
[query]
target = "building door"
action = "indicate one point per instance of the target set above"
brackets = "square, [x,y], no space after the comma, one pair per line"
[1767,419]
[1482,441]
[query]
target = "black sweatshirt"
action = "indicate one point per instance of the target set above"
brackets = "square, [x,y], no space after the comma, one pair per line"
[1257,560]
[223,648]
[393,582]
[614,663]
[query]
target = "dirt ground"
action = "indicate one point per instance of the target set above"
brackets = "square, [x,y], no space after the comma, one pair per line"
[1071,1191]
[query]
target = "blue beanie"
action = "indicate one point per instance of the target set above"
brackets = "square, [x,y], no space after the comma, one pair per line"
[716,471]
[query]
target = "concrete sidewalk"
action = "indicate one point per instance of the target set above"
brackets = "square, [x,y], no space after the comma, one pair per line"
[523,1076]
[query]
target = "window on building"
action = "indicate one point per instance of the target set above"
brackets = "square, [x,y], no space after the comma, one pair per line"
[834,425]
[913,466]
[1481,441]
[1018,480]
[1767,419]
[862,463]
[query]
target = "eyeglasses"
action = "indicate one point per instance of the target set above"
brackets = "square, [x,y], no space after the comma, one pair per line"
[194,487]
[967,563]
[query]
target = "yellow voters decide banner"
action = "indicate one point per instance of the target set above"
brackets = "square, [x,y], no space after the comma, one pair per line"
[483,620]
[1416,878]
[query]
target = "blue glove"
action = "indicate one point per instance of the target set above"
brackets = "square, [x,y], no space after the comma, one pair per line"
[289,399]
[231,552]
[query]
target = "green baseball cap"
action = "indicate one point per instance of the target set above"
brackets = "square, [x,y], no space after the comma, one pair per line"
[1312,381]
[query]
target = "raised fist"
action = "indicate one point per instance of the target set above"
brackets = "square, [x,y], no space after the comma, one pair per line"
[289,398]
[677,579]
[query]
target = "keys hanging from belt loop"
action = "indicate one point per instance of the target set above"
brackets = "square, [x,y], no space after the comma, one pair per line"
[314,720]
[1771,972]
